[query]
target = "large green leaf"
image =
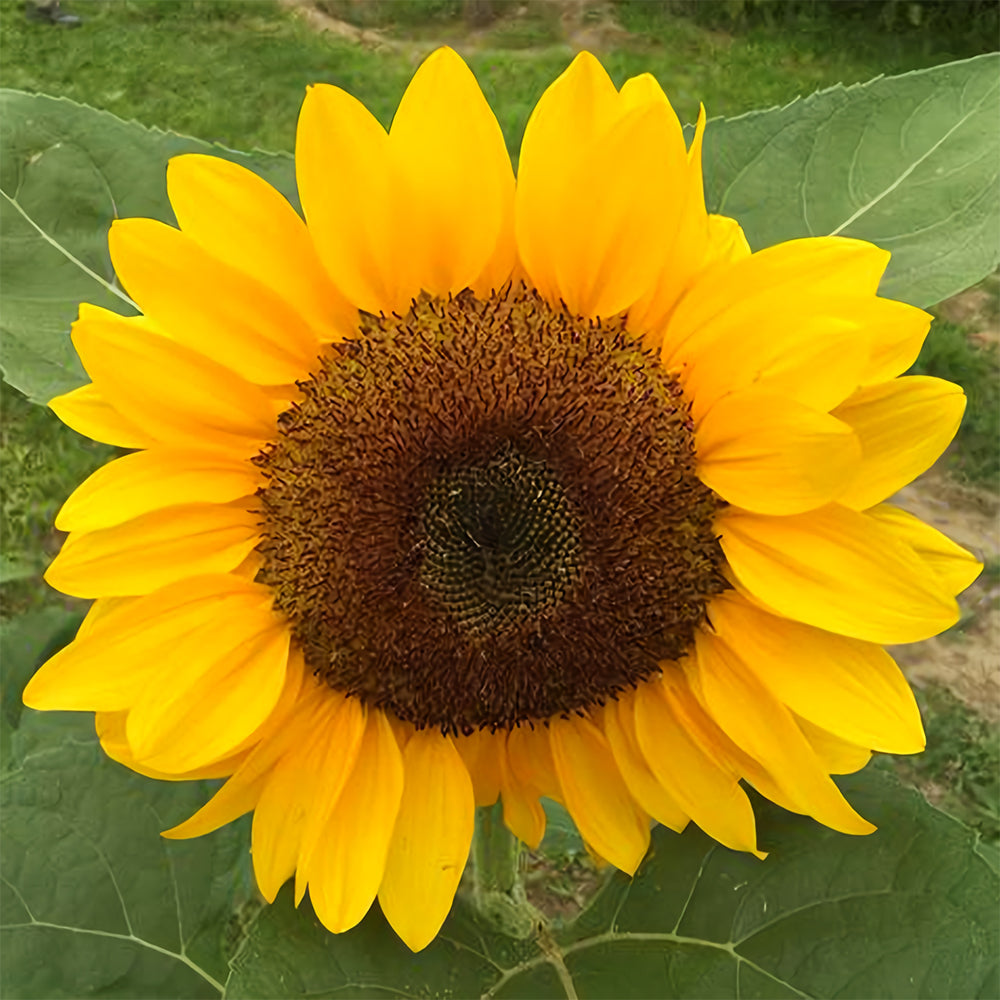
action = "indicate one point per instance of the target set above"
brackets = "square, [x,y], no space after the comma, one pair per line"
[907,912]
[909,162]
[95,903]
[67,171]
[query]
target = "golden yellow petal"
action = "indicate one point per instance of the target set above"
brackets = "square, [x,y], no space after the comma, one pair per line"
[773,455]
[900,331]
[672,732]
[349,862]
[210,307]
[200,712]
[456,182]
[481,752]
[154,550]
[240,219]
[903,426]
[838,570]
[295,714]
[850,687]
[109,668]
[149,480]
[619,727]
[334,764]
[837,756]
[90,414]
[110,728]
[431,839]
[348,190]
[595,794]
[601,261]
[954,566]
[758,723]
[288,796]
[173,393]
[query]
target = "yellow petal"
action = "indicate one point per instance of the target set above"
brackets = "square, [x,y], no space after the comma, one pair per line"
[210,307]
[601,261]
[457,181]
[726,239]
[200,712]
[110,728]
[790,318]
[481,752]
[347,186]
[154,550]
[756,721]
[288,796]
[279,735]
[690,247]
[672,732]
[519,788]
[109,667]
[838,570]
[849,687]
[774,455]
[431,839]
[903,426]
[595,794]
[240,219]
[836,756]
[900,332]
[954,566]
[332,771]
[619,727]
[820,267]
[174,394]
[90,414]
[148,480]
[349,862]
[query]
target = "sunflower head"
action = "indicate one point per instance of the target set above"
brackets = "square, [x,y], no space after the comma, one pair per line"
[465,488]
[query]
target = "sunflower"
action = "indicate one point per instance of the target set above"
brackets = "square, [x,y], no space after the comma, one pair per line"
[465,490]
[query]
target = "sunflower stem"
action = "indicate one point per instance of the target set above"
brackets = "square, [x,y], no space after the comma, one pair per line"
[499,891]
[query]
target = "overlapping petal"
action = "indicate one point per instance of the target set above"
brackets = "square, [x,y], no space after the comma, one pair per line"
[602,260]
[903,426]
[425,207]
[838,570]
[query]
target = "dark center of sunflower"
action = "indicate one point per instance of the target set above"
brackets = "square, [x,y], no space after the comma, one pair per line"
[487,512]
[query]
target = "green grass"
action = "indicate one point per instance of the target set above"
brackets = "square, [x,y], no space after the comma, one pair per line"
[960,769]
[948,354]
[236,71]
[42,462]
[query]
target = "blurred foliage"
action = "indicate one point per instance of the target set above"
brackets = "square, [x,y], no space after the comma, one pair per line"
[948,353]
[43,461]
[968,26]
[960,769]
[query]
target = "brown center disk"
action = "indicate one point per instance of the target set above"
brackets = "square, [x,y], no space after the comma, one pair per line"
[486,512]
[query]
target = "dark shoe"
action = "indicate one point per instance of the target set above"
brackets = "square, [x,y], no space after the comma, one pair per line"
[51,13]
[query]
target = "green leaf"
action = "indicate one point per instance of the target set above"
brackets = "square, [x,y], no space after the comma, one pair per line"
[25,642]
[95,903]
[907,912]
[67,171]
[909,162]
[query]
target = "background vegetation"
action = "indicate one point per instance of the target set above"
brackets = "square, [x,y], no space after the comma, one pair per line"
[235,72]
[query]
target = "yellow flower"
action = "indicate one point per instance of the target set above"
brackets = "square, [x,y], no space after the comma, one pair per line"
[463,489]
